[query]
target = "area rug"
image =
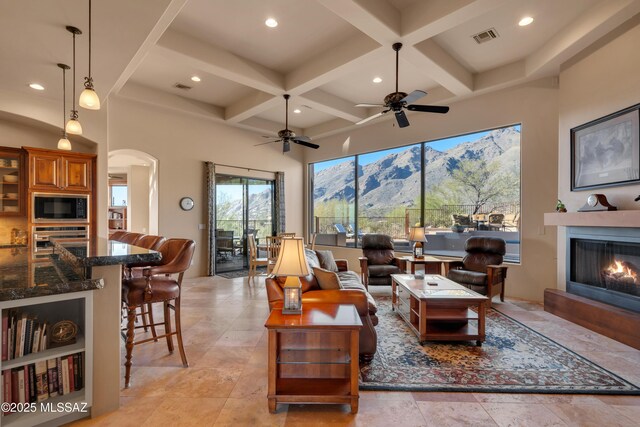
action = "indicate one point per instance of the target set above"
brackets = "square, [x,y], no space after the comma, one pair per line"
[513,359]
[239,273]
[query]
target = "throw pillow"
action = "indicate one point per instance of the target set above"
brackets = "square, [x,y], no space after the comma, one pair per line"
[327,279]
[312,258]
[326,260]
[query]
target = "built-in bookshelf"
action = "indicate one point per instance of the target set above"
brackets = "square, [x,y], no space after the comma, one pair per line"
[117,218]
[51,383]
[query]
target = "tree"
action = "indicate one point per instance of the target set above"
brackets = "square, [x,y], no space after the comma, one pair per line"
[482,184]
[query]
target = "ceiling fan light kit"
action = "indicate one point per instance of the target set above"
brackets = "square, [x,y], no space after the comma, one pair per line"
[398,101]
[286,135]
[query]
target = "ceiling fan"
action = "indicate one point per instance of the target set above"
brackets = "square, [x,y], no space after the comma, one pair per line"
[287,136]
[396,101]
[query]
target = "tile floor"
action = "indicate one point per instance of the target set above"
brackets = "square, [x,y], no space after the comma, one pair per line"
[226,383]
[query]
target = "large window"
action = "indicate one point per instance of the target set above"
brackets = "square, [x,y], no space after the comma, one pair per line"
[456,187]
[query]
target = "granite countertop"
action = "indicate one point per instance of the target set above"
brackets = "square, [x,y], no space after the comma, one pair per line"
[65,270]
[20,277]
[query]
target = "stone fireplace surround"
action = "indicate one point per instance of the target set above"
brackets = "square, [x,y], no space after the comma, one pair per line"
[621,324]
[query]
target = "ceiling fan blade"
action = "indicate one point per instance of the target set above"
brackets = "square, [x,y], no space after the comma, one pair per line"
[370,105]
[268,142]
[375,116]
[403,122]
[302,138]
[429,108]
[413,96]
[305,143]
[269,136]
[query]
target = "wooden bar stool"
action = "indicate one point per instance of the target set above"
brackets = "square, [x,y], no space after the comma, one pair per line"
[158,286]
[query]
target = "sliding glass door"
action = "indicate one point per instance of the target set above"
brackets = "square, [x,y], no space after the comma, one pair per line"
[244,206]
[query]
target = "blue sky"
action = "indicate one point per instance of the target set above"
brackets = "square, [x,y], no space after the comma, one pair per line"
[440,145]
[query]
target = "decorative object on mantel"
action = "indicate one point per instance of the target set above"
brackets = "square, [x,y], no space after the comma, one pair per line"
[597,202]
[606,152]
[63,143]
[560,207]
[89,98]
[63,332]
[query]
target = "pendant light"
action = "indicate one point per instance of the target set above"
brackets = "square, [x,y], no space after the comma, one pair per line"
[63,143]
[89,98]
[73,125]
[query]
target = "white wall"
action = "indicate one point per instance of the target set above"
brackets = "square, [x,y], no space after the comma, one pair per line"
[138,188]
[535,106]
[599,83]
[182,143]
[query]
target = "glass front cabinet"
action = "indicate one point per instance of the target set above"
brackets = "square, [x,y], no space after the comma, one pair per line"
[12,191]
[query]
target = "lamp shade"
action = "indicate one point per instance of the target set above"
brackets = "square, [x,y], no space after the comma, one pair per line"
[64,144]
[291,260]
[417,234]
[89,99]
[73,127]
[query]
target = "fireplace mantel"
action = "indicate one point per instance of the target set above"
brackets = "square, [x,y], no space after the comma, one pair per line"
[626,218]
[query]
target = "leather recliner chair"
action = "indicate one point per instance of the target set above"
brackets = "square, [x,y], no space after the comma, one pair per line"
[379,262]
[481,270]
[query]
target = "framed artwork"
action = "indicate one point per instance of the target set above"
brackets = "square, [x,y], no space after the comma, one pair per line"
[606,151]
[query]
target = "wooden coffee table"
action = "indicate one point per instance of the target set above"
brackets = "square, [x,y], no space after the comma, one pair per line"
[441,312]
[313,356]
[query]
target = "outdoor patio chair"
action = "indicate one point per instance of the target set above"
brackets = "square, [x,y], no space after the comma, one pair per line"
[224,243]
[496,222]
[512,221]
[462,220]
[340,229]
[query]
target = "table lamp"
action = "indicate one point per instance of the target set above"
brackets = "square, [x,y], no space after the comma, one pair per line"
[417,236]
[292,263]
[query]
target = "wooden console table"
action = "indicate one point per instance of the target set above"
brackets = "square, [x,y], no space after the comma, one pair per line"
[432,265]
[313,356]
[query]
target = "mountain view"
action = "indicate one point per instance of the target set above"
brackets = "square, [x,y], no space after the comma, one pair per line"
[394,180]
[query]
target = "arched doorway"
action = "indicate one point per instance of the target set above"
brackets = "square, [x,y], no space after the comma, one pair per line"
[137,171]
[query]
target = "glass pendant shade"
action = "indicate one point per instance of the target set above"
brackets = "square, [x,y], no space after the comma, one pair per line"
[89,99]
[64,144]
[73,127]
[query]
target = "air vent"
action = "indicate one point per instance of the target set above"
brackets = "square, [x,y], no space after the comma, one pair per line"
[181,86]
[485,36]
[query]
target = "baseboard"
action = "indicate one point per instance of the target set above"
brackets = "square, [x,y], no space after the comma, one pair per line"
[614,322]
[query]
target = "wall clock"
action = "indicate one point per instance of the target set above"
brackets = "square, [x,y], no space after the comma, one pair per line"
[186,203]
[597,202]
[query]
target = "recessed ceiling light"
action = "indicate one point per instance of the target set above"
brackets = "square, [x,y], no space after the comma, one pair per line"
[525,21]
[297,111]
[195,78]
[377,80]
[36,86]
[271,23]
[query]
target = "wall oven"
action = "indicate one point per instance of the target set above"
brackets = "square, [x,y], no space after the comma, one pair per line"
[74,238]
[60,207]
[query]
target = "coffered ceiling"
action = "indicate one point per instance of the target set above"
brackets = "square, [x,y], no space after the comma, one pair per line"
[325,53]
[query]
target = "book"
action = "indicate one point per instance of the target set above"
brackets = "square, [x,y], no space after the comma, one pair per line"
[42,382]
[59,368]
[5,337]
[33,392]
[28,335]
[21,385]
[44,336]
[15,398]
[70,373]
[52,377]
[18,336]
[65,376]
[76,373]
[6,386]
[23,333]
[36,339]
[81,370]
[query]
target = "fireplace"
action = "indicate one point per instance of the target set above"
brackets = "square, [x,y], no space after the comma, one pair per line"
[604,265]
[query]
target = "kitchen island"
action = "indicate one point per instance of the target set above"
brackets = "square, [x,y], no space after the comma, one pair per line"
[83,286]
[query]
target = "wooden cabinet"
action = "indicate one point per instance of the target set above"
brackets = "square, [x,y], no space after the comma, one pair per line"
[53,171]
[12,191]
[313,356]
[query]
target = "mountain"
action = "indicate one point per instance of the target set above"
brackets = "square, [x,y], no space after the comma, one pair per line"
[394,180]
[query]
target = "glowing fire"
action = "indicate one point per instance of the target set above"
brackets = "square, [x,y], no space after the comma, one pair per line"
[622,271]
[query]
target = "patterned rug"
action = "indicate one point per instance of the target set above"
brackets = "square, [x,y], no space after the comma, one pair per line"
[513,359]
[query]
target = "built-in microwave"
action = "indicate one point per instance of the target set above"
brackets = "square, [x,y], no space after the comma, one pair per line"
[60,207]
